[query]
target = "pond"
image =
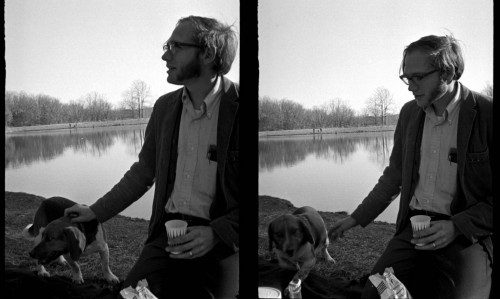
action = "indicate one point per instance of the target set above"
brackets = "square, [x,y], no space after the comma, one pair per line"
[330,172]
[81,164]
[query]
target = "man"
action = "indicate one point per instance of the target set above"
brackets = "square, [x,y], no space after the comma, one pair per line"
[440,164]
[190,152]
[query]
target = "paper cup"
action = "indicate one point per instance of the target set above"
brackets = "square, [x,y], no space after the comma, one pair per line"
[176,228]
[267,292]
[420,222]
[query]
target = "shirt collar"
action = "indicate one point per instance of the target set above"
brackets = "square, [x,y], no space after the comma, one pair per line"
[209,103]
[450,108]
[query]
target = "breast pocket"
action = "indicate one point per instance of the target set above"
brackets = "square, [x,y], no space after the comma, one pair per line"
[478,175]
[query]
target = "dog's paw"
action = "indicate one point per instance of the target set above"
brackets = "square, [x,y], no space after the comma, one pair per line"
[331,260]
[43,273]
[62,261]
[77,278]
[111,278]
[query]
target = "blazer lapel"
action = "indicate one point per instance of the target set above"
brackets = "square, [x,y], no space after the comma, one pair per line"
[465,122]
[414,135]
[227,114]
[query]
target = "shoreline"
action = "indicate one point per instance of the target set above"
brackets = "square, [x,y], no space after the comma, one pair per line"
[327,131]
[144,121]
[76,126]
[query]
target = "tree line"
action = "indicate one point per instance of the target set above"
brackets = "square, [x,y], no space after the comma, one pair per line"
[285,114]
[23,109]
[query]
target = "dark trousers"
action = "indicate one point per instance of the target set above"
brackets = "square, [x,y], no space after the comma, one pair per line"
[176,278]
[428,274]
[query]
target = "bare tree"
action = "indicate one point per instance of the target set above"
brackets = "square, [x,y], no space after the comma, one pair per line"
[488,90]
[97,108]
[76,110]
[380,104]
[135,97]
[339,113]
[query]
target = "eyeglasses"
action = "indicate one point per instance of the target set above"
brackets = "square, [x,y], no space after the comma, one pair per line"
[415,78]
[173,46]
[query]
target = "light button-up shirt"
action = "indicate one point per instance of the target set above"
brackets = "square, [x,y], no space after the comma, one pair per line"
[195,180]
[437,173]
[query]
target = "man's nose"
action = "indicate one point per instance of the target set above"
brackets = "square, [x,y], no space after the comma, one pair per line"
[166,56]
[412,86]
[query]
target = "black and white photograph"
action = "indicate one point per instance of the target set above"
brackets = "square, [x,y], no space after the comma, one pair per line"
[370,113]
[121,149]
[232,149]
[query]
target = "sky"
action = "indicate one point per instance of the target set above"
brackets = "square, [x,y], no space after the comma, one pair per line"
[67,49]
[311,52]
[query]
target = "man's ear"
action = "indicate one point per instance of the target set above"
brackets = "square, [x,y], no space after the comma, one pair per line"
[448,77]
[208,55]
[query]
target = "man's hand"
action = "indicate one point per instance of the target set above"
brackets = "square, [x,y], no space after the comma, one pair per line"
[338,228]
[197,242]
[438,235]
[84,213]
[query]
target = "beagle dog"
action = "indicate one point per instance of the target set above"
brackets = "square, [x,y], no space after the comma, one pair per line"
[298,239]
[56,238]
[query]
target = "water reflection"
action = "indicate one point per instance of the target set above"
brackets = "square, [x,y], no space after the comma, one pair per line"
[24,149]
[330,172]
[286,152]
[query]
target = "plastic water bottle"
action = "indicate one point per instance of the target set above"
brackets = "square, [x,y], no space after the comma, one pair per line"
[294,289]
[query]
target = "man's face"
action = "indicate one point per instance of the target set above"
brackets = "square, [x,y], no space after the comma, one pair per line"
[183,62]
[429,88]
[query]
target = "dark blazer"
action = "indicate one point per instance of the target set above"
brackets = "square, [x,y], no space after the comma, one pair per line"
[472,206]
[157,163]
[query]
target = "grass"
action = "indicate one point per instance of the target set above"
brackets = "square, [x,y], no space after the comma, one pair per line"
[355,253]
[125,238]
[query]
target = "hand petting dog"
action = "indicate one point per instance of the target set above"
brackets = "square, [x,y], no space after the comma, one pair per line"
[57,238]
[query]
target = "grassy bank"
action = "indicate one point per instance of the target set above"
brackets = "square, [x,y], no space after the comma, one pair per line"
[76,126]
[125,237]
[355,253]
[325,131]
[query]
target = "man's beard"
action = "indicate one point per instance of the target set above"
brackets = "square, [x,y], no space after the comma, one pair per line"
[437,93]
[189,71]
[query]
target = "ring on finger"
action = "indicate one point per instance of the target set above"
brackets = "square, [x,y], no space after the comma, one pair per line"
[434,244]
[190,253]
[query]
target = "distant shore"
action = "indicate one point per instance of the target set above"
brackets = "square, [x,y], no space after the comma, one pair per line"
[325,131]
[76,126]
[144,121]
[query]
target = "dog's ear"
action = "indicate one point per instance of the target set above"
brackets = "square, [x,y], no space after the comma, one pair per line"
[306,230]
[76,242]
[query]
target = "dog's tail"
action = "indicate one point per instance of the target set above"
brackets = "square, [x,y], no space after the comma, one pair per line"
[28,232]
